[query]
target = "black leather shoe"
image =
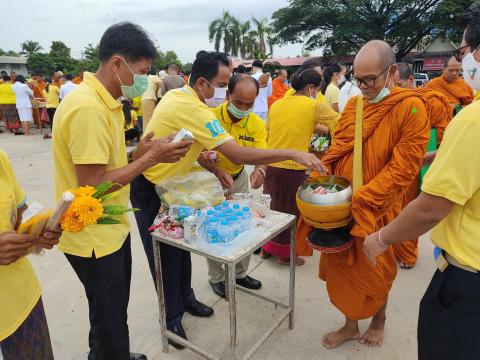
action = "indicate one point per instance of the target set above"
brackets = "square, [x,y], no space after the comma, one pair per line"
[196,308]
[135,356]
[179,331]
[219,288]
[249,283]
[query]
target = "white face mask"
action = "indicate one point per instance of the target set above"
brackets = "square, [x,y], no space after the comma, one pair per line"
[341,80]
[219,97]
[471,71]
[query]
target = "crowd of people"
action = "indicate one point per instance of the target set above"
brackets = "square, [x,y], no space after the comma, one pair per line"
[248,118]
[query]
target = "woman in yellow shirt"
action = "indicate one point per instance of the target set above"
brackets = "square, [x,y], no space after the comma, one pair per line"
[8,109]
[291,123]
[51,93]
[334,76]
[23,326]
[131,119]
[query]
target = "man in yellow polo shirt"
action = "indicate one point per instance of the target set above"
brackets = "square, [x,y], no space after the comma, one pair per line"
[248,130]
[23,326]
[88,149]
[450,199]
[186,108]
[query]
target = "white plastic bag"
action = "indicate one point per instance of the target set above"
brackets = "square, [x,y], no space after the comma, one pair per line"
[198,189]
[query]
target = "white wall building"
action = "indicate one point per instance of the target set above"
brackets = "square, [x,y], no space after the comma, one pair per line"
[14,63]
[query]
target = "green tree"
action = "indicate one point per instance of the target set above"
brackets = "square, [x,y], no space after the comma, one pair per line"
[90,61]
[227,29]
[165,58]
[38,62]
[60,54]
[8,53]
[342,27]
[30,47]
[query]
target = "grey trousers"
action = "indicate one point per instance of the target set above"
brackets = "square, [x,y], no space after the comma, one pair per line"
[216,272]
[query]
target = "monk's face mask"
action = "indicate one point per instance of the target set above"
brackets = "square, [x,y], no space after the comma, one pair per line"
[385,91]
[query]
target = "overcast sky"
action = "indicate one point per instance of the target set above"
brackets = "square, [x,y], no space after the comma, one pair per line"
[179,25]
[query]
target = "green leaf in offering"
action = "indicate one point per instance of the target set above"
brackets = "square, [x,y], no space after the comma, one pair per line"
[102,189]
[111,195]
[117,209]
[108,220]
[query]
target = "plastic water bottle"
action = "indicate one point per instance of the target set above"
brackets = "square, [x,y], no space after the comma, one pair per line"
[229,211]
[224,232]
[211,231]
[234,225]
[218,208]
[210,213]
[225,205]
[236,207]
[247,215]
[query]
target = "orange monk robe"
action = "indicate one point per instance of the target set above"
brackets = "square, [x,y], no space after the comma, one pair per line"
[77,80]
[440,114]
[457,92]
[279,88]
[38,88]
[395,135]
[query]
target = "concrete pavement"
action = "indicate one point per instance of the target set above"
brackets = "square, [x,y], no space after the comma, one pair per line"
[67,311]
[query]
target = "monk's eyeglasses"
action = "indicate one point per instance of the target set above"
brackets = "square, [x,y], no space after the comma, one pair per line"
[368,82]
[460,52]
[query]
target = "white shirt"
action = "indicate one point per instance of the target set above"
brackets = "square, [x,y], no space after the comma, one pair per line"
[66,88]
[346,92]
[22,94]
[261,102]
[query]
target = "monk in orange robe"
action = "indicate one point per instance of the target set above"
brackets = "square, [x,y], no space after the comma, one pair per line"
[395,135]
[452,85]
[440,114]
[279,87]
[79,78]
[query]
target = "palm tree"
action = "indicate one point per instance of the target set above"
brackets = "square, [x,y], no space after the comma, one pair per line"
[244,30]
[30,47]
[261,30]
[220,29]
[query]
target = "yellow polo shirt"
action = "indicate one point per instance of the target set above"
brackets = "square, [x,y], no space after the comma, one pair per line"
[455,175]
[291,122]
[89,129]
[292,91]
[52,97]
[248,132]
[19,287]
[137,105]
[332,94]
[181,108]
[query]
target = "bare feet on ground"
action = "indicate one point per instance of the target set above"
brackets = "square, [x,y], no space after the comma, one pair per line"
[373,337]
[337,338]
[406,266]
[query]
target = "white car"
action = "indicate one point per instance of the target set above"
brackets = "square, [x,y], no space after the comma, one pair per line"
[420,79]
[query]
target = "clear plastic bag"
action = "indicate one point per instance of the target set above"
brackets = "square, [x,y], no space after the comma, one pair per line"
[199,189]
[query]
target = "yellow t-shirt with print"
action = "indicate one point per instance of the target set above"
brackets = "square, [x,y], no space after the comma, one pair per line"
[292,91]
[89,129]
[19,287]
[455,175]
[133,121]
[291,122]
[181,108]
[137,105]
[248,132]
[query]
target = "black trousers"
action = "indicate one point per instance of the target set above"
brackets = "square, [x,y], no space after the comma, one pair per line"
[131,134]
[176,263]
[449,319]
[51,114]
[107,285]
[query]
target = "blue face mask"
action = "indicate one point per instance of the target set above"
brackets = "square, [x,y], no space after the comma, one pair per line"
[139,86]
[383,93]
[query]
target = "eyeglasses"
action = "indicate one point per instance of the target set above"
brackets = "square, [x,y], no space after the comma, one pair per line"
[368,82]
[460,52]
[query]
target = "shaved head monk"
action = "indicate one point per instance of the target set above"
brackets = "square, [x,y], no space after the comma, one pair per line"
[452,85]
[395,133]
[440,114]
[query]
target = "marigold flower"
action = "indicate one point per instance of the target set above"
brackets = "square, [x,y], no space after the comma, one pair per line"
[84,191]
[71,223]
[87,209]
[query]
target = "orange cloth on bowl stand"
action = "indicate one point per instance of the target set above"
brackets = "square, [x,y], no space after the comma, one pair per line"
[457,92]
[395,136]
[440,114]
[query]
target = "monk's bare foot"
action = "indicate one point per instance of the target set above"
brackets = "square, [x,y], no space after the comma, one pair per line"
[373,337]
[337,338]
[406,266]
